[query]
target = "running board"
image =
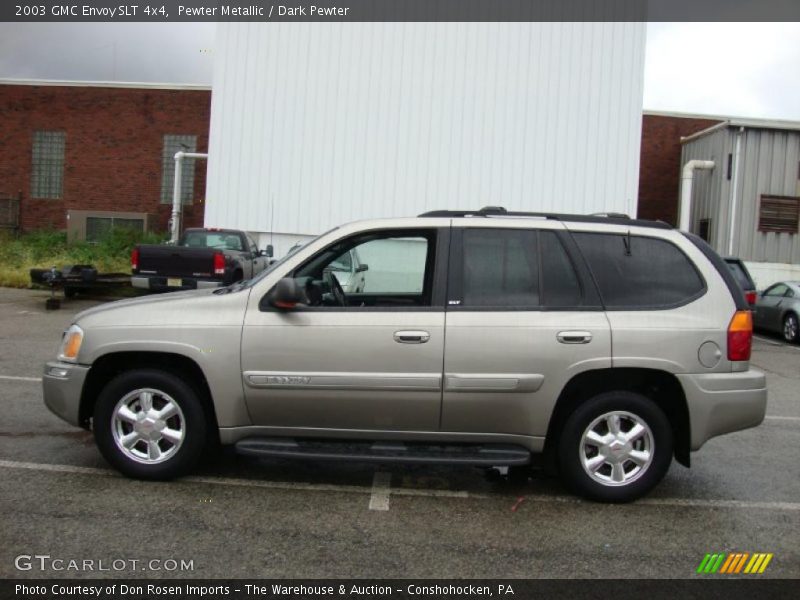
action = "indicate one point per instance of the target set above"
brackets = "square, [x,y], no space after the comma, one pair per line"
[386,452]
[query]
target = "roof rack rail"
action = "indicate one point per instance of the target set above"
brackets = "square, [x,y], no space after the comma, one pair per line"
[499,211]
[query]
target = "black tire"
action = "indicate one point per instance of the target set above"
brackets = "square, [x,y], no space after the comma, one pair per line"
[178,458]
[571,450]
[237,276]
[791,328]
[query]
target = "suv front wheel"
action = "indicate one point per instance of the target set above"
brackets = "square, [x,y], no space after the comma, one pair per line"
[615,447]
[149,424]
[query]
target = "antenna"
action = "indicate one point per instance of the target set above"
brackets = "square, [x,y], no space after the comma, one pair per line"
[271,217]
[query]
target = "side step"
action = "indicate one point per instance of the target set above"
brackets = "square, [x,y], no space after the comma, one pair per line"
[487,455]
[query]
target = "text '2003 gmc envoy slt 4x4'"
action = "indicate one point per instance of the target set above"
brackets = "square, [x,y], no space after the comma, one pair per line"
[607,345]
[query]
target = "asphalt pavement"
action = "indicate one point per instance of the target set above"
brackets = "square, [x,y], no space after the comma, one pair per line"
[240,517]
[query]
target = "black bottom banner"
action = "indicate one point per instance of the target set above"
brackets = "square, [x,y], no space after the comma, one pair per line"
[340,589]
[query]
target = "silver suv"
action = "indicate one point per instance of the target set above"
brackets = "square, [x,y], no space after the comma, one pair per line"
[607,345]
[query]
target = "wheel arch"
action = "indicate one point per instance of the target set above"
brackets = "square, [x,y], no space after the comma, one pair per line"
[660,386]
[110,365]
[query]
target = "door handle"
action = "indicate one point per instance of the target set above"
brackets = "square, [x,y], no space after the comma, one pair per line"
[411,337]
[574,337]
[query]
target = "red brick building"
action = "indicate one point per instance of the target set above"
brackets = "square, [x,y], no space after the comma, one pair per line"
[660,161]
[96,147]
[66,147]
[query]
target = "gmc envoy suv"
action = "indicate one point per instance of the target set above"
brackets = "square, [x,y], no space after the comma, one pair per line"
[604,344]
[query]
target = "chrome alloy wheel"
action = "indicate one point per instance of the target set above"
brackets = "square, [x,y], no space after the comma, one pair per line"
[790,328]
[617,448]
[148,426]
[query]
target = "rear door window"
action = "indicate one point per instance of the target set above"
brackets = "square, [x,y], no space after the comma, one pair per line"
[500,268]
[637,272]
[560,284]
[513,269]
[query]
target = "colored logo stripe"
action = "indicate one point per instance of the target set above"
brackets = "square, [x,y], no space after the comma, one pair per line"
[711,562]
[758,563]
[733,563]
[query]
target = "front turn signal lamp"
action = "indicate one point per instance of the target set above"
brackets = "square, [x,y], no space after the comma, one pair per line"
[71,344]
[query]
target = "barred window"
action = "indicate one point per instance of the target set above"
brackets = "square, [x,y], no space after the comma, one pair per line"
[47,167]
[99,227]
[173,144]
[779,214]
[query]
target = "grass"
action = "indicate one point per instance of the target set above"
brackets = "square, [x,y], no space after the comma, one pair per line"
[45,249]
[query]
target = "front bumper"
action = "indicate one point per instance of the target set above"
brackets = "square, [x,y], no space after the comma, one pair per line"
[721,403]
[62,384]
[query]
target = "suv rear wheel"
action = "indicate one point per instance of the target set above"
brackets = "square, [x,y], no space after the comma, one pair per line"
[615,447]
[149,424]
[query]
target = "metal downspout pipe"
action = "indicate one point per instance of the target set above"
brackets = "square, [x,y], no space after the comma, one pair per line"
[687,176]
[175,220]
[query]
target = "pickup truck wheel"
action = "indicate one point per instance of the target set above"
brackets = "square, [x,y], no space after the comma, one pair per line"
[615,447]
[149,424]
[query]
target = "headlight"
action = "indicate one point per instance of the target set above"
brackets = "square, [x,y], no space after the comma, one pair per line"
[71,344]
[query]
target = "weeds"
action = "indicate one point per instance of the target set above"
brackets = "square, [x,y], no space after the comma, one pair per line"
[45,249]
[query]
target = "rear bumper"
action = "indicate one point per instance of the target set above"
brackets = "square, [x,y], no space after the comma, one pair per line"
[62,385]
[721,403]
[159,284]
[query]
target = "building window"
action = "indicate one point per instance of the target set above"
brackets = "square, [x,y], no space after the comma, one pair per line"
[173,144]
[779,214]
[705,229]
[47,167]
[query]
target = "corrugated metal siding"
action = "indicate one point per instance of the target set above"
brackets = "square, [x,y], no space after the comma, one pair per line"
[316,124]
[768,164]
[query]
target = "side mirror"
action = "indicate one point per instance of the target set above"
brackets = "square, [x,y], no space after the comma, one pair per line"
[362,267]
[269,251]
[286,294]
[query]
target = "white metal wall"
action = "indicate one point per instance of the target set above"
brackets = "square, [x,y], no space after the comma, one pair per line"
[313,125]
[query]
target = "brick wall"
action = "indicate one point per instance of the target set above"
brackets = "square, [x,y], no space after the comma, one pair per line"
[660,164]
[114,143]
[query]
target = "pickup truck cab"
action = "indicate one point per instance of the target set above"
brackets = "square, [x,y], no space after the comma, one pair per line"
[202,258]
[482,338]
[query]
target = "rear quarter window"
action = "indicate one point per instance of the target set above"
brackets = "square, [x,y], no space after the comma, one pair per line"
[637,272]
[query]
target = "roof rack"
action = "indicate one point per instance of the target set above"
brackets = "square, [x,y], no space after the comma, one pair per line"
[499,211]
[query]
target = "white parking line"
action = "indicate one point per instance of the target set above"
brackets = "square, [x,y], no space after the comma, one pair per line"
[777,418]
[381,488]
[776,342]
[360,489]
[12,378]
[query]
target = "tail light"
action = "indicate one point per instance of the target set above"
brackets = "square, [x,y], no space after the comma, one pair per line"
[135,259]
[219,263]
[750,297]
[740,335]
